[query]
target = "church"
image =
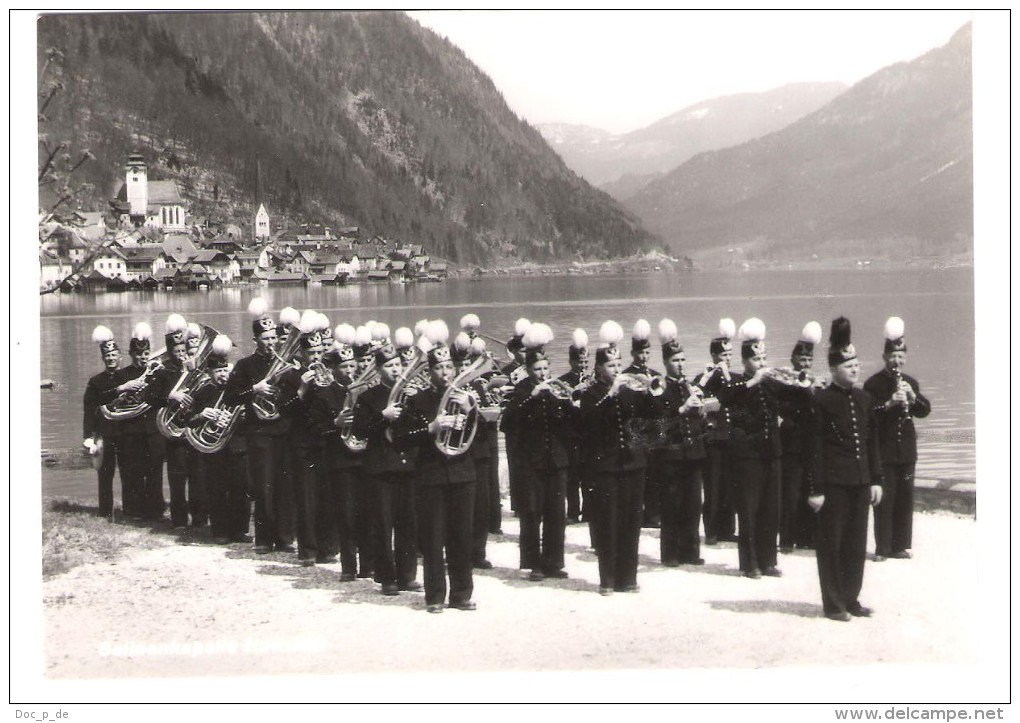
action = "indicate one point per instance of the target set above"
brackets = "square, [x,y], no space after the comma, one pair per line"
[154,204]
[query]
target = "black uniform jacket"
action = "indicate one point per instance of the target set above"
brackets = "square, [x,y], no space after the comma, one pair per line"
[896,434]
[209,396]
[540,422]
[509,371]
[635,369]
[246,373]
[754,414]
[573,434]
[100,389]
[144,423]
[369,424]
[795,428]
[681,436]
[324,405]
[411,430]
[719,427]
[294,409]
[617,429]
[844,439]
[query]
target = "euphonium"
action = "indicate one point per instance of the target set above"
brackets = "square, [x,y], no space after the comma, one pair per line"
[368,379]
[456,441]
[129,405]
[214,434]
[169,419]
[412,380]
[264,406]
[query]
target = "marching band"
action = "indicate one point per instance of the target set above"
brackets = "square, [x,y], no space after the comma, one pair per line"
[377,447]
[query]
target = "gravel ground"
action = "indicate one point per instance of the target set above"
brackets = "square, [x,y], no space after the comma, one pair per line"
[194,609]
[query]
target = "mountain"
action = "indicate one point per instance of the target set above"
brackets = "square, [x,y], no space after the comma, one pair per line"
[354,118]
[886,168]
[603,158]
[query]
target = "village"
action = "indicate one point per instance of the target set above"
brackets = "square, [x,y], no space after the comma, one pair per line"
[148,239]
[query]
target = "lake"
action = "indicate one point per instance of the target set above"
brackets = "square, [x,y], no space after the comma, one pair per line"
[936,305]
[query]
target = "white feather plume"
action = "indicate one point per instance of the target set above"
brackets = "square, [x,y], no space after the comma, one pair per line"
[290,315]
[257,306]
[642,330]
[222,345]
[102,334]
[610,332]
[194,330]
[667,331]
[894,328]
[323,322]
[345,334]
[438,332]
[380,332]
[309,321]
[362,336]
[579,339]
[470,321]
[521,326]
[424,343]
[175,323]
[811,333]
[537,335]
[403,337]
[462,341]
[727,328]
[420,327]
[752,330]
[477,345]
[142,332]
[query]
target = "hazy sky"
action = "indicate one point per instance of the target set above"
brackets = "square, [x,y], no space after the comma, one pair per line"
[623,70]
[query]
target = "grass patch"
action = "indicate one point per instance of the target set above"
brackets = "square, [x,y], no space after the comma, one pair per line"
[74,534]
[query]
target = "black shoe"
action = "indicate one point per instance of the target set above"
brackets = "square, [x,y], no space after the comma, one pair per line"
[263,549]
[390,588]
[786,549]
[878,558]
[558,574]
[240,538]
[605,591]
[464,605]
[754,574]
[628,588]
[536,576]
[482,565]
[412,586]
[772,571]
[841,616]
[307,562]
[325,560]
[901,555]
[220,540]
[366,574]
[695,561]
[497,531]
[711,540]
[573,520]
[860,611]
[671,563]
[285,548]
[348,577]
[438,608]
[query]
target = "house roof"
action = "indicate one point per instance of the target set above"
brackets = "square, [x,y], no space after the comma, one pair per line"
[164,273]
[180,247]
[397,265]
[206,256]
[379,274]
[286,277]
[323,277]
[329,257]
[142,253]
[161,193]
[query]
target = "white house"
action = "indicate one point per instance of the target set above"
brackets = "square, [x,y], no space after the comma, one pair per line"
[110,263]
[261,224]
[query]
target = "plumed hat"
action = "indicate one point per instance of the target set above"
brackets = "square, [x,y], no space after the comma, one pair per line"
[894,335]
[104,337]
[752,338]
[344,337]
[362,341]
[403,340]
[221,347]
[261,321]
[639,336]
[810,335]
[610,334]
[724,341]
[176,330]
[578,345]
[140,338]
[841,349]
[310,327]
[517,340]
[470,323]
[668,338]
[537,336]
[460,349]
[438,334]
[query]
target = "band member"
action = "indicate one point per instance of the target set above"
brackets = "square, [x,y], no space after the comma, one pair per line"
[846,476]
[539,418]
[226,483]
[97,430]
[796,520]
[612,414]
[494,512]
[447,483]
[898,398]
[515,371]
[640,353]
[681,456]
[266,438]
[192,342]
[577,378]
[464,352]
[289,319]
[340,467]
[187,485]
[718,512]
[389,474]
[303,442]
[364,495]
[403,342]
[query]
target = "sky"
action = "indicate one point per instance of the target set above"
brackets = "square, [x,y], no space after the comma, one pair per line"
[624,70]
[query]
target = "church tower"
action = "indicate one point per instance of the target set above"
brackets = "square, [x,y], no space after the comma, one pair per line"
[136,179]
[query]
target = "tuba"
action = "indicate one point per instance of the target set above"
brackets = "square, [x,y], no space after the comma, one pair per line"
[170,418]
[129,405]
[263,405]
[368,379]
[214,434]
[453,442]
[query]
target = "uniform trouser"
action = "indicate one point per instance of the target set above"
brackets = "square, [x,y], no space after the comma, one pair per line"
[894,516]
[512,470]
[653,493]
[445,516]
[574,484]
[758,480]
[718,509]
[105,480]
[396,560]
[796,518]
[842,542]
[365,518]
[680,482]
[480,526]
[133,458]
[304,468]
[274,495]
[336,522]
[229,505]
[184,470]
[619,505]
[495,513]
[541,498]
[151,479]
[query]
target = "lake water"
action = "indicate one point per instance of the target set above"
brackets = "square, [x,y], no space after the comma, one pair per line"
[937,306]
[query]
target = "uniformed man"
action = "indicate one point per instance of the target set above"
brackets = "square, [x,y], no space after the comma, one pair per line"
[846,476]
[266,438]
[796,520]
[613,416]
[447,484]
[898,398]
[577,378]
[718,512]
[389,474]
[681,456]
[98,431]
[515,371]
[539,417]
[364,494]
[640,354]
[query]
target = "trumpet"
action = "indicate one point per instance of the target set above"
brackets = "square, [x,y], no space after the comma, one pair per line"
[642,382]
[169,418]
[455,441]
[790,377]
[129,405]
[560,389]
[214,434]
[368,379]
[263,405]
